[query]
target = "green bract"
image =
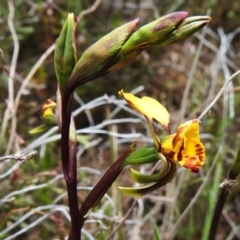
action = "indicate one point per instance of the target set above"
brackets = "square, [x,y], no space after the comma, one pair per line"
[65,56]
[101,52]
[146,155]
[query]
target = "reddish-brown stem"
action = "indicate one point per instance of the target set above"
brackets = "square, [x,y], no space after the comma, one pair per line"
[75,232]
[69,165]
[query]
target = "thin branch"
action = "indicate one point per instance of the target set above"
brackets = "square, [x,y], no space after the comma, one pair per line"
[110,236]
[89,10]
[10,111]
[31,74]
[219,94]
[18,157]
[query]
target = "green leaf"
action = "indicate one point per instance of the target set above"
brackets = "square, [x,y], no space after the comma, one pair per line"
[155,229]
[39,129]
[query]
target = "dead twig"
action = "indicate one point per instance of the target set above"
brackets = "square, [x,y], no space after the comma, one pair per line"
[18,156]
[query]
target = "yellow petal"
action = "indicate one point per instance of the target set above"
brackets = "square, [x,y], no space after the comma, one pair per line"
[149,107]
[47,108]
[48,115]
[192,143]
[185,146]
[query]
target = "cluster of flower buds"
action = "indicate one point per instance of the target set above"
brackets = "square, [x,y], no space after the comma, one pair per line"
[118,47]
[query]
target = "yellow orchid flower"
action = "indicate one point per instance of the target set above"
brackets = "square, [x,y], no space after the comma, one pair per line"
[48,112]
[148,106]
[48,117]
[184,146]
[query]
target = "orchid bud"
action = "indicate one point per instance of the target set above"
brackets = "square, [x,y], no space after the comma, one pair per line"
[153,31]
[101,52]
[65,56]
[48,117]
[164,31]
[187,28]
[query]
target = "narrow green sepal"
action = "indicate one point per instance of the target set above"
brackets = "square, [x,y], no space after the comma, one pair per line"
[143,178]
[65,55]
[136,192]
[39,129]
[142,156]
[143,190]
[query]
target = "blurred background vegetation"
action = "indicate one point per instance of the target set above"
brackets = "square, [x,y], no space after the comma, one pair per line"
[184,77]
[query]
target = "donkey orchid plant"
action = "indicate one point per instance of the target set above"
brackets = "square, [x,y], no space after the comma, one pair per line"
[111,52]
